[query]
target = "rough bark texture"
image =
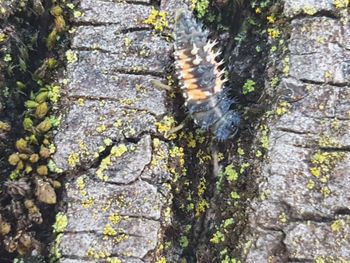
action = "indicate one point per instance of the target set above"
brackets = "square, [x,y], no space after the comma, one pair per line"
[108,142]
[302,212]
[118,197]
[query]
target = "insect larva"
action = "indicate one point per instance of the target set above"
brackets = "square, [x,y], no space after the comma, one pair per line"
[201,79]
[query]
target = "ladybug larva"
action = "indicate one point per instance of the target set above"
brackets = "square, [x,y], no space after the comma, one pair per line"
[201,79]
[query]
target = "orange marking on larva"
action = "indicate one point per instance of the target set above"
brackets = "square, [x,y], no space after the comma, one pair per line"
[190,83]
[192,86]
[196,95]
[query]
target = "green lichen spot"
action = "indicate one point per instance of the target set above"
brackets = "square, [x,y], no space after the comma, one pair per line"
[217,238]
[249,86]
[184,241]
[201,7]
[230,173]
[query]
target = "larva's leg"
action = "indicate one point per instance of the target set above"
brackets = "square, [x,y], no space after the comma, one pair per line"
[176,129]
[214,157]
[160,85]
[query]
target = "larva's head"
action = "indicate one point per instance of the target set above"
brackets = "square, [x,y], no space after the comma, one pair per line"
[182,18]
[228,126]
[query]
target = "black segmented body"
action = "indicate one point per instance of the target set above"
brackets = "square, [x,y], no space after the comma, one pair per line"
[201,79]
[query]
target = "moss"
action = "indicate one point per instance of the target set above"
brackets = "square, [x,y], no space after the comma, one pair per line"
[184,242]
[54,93]
[230,173]
[249,86]
[240,151]
[264,130]
[243,167]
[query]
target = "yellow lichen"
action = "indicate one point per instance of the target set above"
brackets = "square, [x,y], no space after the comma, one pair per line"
[101,128]
[309,10]
[87,203]
[201,187]
[161,260]
[283,218]
[217,238]
[108,231]
[97,254]
[80,183]
[114,218]
[282,108]
[60,223]
[71,56]
[202,206]
[325,191]
[341,3]
[116,152]
[81,102]
[271,19]
[165,125]
[273,33]
[113,260]
[73,159]
[338,226]
[157,19]
[286,66]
